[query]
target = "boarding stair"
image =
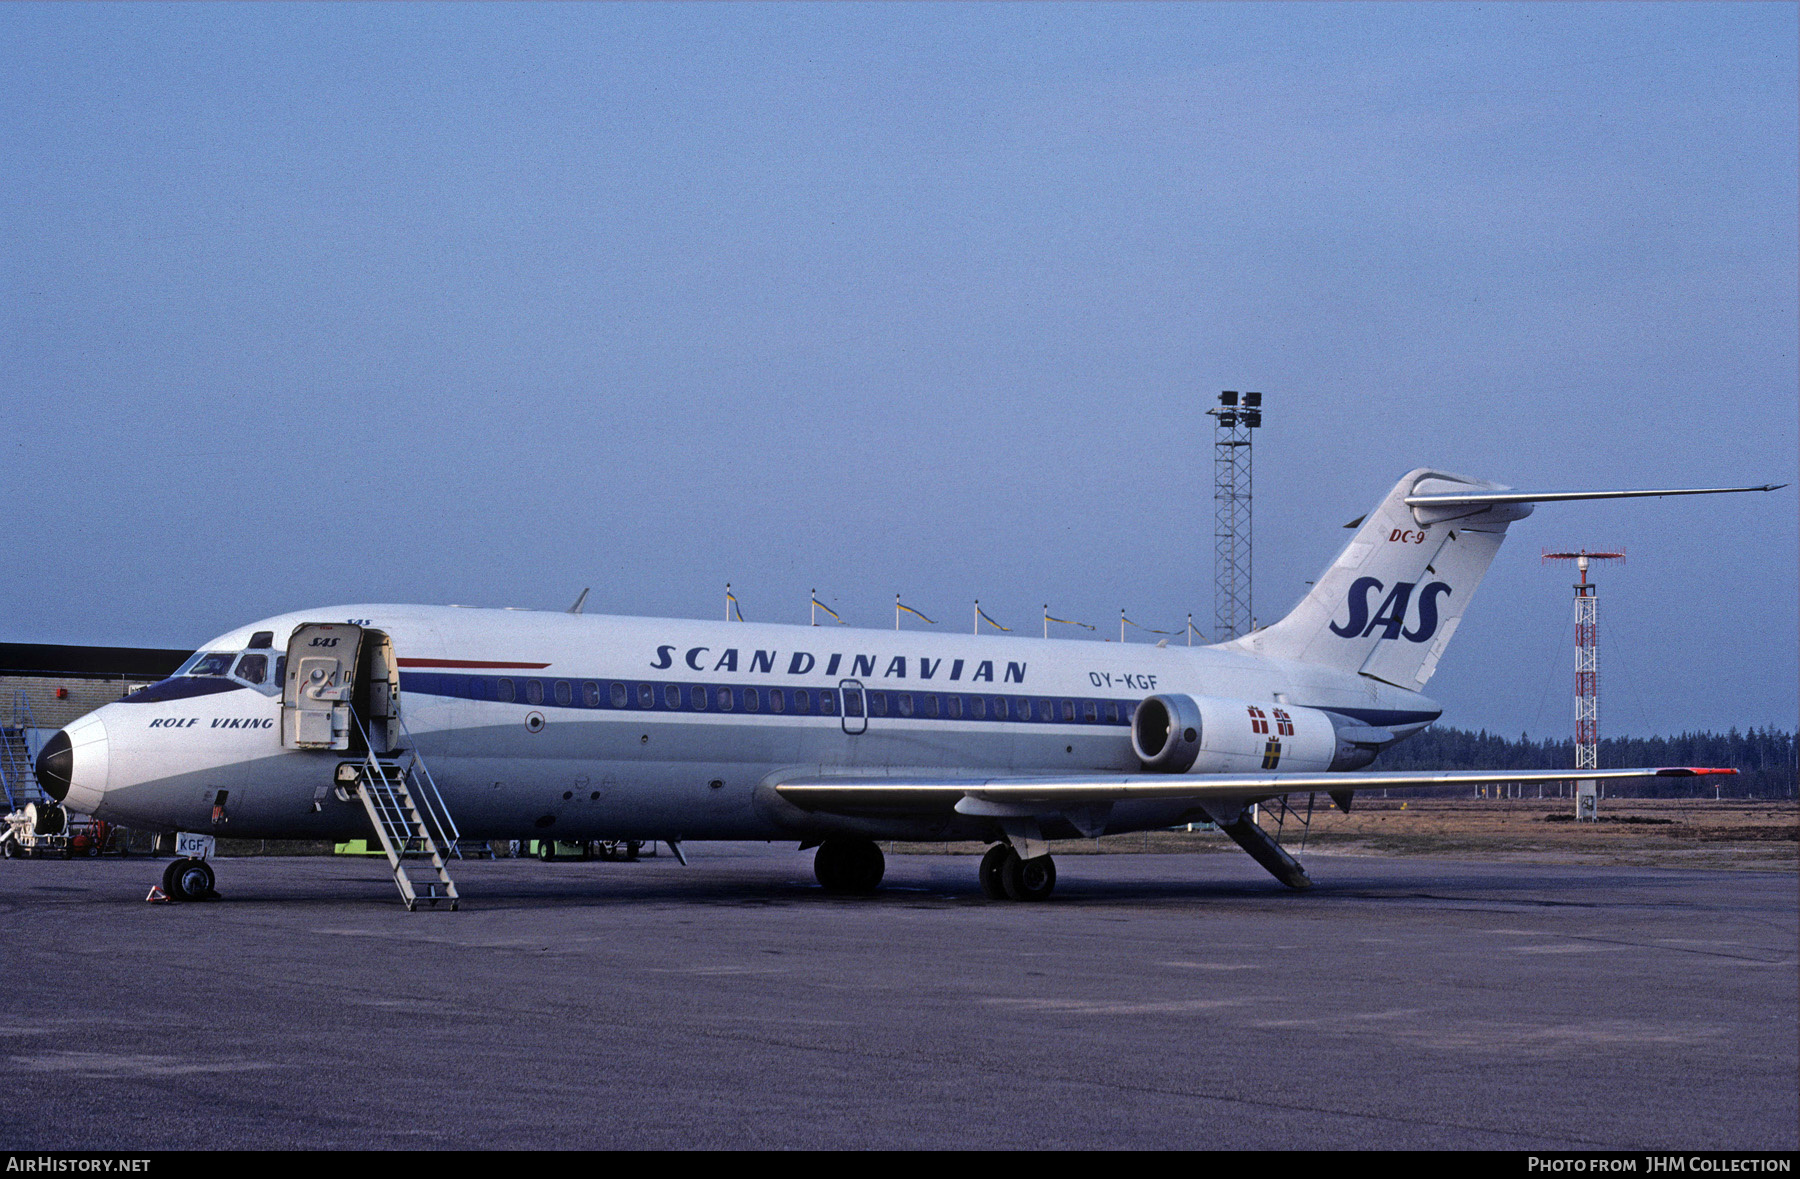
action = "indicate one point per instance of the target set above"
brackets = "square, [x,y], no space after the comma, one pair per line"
[412,822]
[17,777]
[1285,822]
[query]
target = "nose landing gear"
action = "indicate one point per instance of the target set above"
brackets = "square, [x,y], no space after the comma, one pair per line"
[189,880]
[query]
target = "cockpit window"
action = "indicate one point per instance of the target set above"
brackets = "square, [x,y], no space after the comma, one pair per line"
[253,669]
[211,663]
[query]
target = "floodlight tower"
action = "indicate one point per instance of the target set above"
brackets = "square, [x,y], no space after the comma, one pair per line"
[1587,678]
[1232,423]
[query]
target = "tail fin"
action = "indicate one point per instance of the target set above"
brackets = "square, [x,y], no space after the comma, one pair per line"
[1387,606]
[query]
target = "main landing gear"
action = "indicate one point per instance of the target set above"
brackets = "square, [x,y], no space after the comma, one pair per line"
[852,866]
[1006,876]
[189,880]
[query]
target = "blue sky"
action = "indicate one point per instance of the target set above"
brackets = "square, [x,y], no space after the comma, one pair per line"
[484,304]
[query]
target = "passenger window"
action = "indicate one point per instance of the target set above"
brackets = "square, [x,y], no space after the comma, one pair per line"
[1087,711]
[853,704]
[672,695]
[931,706]
[1112,712]
[646,696]
[827,704]
[534,691]
[253,669]
[590,694]
[1000,709]
[903,704]
[617,695]
[752,702]
[724,698]
[776,701]
[802,701]
[562,693]
[877,703]
[953,705]
[505,691]
[1068,710]
[697,697]
[977,708]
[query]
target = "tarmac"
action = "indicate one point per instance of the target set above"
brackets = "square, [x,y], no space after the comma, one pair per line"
[1156,1001]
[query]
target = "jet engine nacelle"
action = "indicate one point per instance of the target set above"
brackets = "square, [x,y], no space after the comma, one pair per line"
[1179,734]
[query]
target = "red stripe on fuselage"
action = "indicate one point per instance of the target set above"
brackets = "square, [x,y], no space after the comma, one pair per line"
[465,663]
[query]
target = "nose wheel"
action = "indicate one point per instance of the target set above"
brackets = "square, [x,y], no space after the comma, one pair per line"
[1005,875]
[189,880]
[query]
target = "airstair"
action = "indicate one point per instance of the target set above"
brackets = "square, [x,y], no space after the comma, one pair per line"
[16,775]
[1278,813]
[410,819]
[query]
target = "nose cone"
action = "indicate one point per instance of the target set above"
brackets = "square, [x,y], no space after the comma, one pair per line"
[72,767]
[55,762]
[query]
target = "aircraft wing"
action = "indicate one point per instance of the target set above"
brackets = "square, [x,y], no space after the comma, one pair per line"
[1046,795]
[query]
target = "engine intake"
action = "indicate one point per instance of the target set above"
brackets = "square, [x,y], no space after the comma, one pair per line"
[1165,733]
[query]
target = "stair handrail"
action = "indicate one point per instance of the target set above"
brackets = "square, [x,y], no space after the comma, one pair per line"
[439,814]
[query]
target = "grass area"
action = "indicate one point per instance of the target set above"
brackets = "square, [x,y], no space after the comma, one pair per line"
[1751,835]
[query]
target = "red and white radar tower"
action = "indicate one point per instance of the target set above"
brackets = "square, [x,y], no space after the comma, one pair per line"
[1587,676]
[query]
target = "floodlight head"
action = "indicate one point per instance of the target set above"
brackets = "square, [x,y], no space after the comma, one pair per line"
[1252,418]
[1228,397]
[1253,399]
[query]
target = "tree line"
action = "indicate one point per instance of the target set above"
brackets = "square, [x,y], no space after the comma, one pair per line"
[1764,758]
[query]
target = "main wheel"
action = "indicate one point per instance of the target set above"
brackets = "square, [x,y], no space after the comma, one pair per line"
[10,849]
[1029,880]
[189,880]
[547,850]
[849,866]
[992,864]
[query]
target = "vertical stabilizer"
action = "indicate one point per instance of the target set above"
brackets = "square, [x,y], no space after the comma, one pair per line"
[1387,606]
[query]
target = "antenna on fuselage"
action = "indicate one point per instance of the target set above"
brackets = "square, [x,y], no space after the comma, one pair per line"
[576,608]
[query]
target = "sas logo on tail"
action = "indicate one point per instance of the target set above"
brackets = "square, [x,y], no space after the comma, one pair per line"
[1391,617]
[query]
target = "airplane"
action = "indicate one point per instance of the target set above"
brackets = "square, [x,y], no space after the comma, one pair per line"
[433,724]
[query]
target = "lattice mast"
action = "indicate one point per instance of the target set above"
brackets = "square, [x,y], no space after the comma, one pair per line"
[1232,423]
[1587,657]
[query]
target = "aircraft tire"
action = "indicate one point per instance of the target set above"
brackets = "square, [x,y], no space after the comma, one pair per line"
[992,865]
[189,880]
[1029,880]
[849,866]
[547,850]
[10,850]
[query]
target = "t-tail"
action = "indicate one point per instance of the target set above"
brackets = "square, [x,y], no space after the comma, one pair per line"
[1388,605]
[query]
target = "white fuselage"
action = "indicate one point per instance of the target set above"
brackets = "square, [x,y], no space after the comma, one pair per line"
[543,725]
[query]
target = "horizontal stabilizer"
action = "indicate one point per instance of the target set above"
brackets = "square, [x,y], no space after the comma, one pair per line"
[1544,497]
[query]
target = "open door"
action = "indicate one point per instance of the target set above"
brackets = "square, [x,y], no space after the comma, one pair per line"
[342,690]
[321,679]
